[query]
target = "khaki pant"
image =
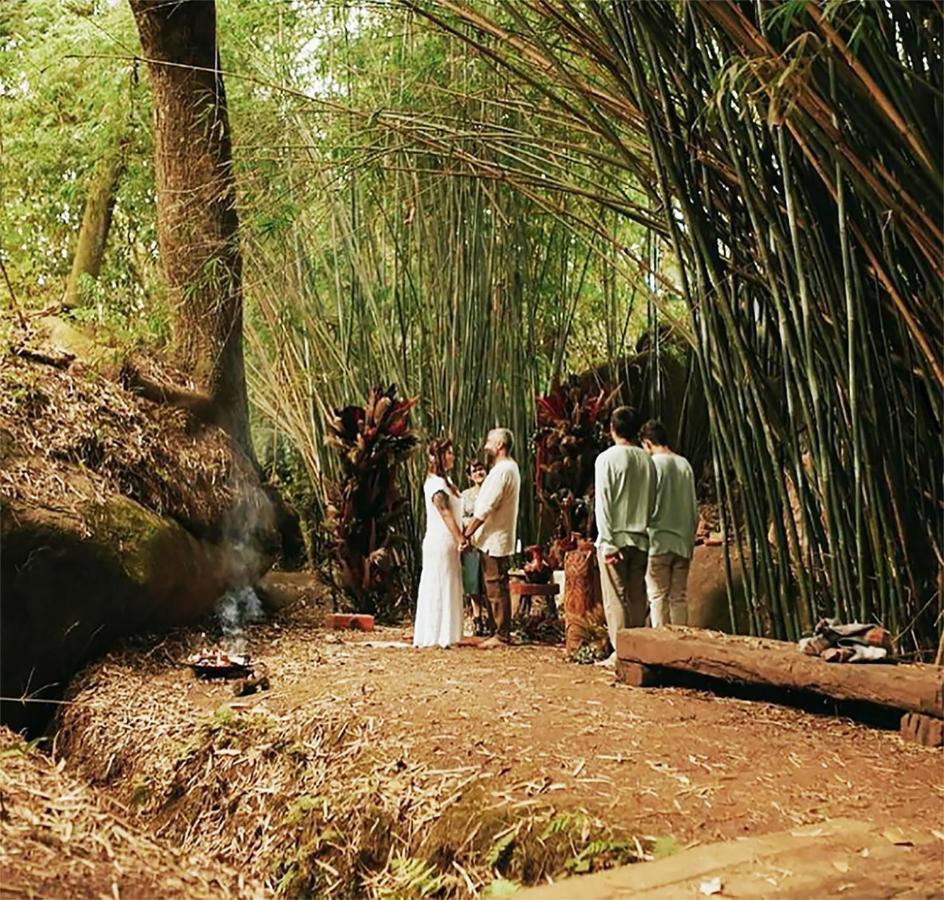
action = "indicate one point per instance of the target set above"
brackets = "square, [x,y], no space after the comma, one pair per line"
[666,580]
[624,590]
[495,569]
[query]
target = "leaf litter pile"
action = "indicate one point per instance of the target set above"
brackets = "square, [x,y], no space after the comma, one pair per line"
[68,435]
[59,838]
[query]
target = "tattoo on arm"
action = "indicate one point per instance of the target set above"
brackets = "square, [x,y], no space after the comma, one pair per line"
[441,500]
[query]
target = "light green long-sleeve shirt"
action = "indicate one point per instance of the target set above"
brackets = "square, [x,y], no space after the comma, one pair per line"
[675,517]
[624,495]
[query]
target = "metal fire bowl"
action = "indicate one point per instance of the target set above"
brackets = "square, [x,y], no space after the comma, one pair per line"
[234,669]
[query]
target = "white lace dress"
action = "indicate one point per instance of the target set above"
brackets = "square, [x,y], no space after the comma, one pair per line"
[439,602]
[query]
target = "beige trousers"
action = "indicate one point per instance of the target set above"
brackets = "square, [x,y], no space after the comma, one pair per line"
[666,580]
[624,590]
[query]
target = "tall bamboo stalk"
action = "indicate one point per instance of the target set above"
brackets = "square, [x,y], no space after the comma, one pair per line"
[790,165]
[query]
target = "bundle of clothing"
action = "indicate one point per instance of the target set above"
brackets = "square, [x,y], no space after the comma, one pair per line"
[853,643]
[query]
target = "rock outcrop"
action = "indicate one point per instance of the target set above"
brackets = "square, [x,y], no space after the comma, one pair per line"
[117,516]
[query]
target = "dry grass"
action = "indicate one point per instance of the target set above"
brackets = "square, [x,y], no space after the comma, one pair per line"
[53,420]
[58,838]
[321,799]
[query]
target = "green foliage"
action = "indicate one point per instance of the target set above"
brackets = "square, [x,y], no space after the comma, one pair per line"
[65,106]
[501,849]
[601,854]
[411,877]
[784,15]
[571,822]
[665,846]
[302,807]
[571,840]
[21,747]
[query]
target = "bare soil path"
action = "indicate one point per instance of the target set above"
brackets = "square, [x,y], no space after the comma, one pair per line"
[670,762]
[667,762]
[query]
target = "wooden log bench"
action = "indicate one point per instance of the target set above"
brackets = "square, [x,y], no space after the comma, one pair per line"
[646,657]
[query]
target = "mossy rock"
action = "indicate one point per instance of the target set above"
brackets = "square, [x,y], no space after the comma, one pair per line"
[73,580]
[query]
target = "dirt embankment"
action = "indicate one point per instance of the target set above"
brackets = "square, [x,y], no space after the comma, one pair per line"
[117,515]
[60,838]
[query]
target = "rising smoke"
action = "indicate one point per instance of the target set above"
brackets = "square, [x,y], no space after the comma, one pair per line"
[236,609]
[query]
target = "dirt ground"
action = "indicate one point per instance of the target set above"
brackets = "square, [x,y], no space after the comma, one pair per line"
[665,762]
[672,767]
[668,762]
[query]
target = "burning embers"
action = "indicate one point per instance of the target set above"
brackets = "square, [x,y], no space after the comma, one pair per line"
[235,610]
[209,663]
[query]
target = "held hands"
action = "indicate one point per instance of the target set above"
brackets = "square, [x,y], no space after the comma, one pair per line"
[613,558]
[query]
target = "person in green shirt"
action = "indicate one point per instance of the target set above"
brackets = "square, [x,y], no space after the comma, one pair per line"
[624,495]
[671,529]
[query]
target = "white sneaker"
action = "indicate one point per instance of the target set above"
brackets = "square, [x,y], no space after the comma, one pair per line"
[608,663]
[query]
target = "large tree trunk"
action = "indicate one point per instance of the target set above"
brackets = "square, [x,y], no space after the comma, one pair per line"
[96,222]
[196,202]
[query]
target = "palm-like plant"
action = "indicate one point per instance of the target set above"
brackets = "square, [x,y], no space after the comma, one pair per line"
[571,433]
[372,441]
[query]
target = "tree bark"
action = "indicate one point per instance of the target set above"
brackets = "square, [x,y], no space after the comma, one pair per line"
[197,223]
[96,222]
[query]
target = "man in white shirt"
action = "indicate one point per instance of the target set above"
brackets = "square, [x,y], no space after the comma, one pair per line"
[624,497]
[494,526]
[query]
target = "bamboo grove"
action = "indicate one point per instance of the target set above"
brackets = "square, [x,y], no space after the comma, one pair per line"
[794,171]
[472,198]
[464,292]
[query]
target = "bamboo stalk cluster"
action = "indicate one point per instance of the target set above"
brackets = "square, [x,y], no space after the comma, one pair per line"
[793,167]
[457,289]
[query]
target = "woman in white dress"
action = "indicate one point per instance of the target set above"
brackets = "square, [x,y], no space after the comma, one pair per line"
[439,603]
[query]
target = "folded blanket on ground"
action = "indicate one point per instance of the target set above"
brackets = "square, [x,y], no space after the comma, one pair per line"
[854,643]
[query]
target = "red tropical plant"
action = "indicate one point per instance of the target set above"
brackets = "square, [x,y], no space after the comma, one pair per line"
[364,507]
[571,433]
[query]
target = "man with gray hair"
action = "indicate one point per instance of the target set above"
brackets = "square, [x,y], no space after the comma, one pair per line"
[493,529]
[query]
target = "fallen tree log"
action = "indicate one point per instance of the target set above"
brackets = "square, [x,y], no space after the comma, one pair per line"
[776,664]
